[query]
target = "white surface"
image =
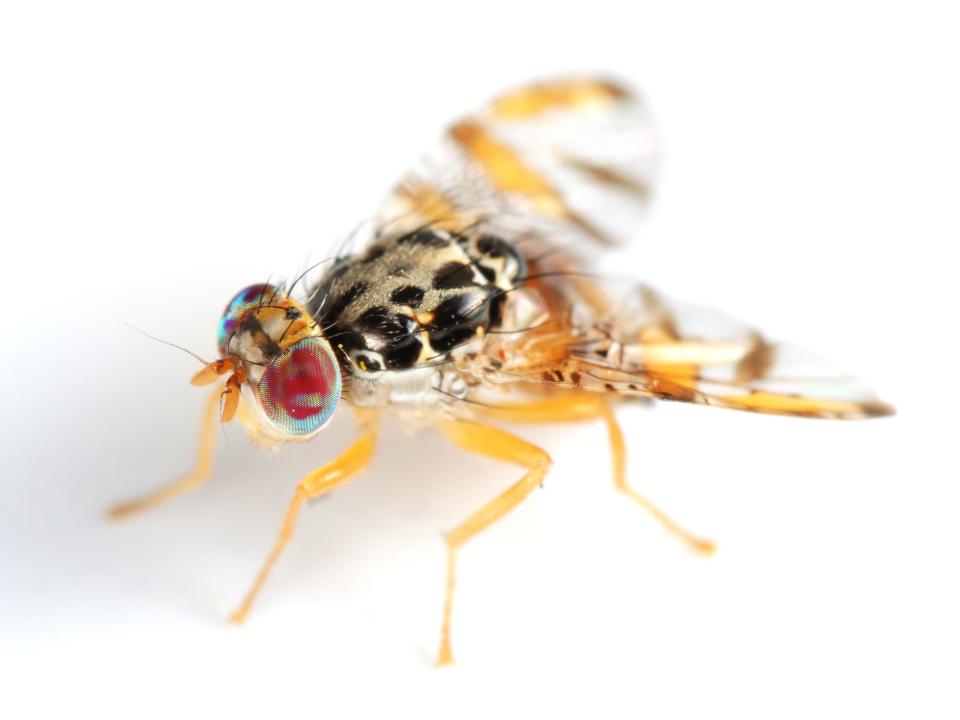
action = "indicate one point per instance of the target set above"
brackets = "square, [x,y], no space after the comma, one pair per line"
[153,161]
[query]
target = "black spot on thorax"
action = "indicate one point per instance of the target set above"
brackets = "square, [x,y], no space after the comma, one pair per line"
[409,295]
[380,325]
[453,275]
[335,305]
[457,319]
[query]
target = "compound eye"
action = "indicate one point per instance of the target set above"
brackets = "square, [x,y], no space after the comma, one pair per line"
[299,390]
[247,298]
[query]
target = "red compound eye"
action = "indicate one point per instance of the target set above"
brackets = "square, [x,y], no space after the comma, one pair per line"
[300,389]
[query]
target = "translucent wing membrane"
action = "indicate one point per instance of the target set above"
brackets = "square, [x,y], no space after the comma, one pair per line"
[558,169]
[642,343]
[571,159]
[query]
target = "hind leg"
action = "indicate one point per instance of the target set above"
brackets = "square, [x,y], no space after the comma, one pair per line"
[582,407]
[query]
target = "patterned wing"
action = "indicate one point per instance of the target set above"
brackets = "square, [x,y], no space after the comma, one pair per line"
[642,343]
[569,159]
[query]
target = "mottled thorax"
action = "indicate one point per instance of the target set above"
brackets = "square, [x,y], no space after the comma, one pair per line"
[409,301]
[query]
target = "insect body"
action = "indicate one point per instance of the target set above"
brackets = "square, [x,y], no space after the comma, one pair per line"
[471,302]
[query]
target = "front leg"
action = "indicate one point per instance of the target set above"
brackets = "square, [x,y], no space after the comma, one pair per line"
[201,471]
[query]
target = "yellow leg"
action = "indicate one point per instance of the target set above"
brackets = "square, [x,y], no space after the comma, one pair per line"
[208,434]
[565,408]
[499,444]
[332,475]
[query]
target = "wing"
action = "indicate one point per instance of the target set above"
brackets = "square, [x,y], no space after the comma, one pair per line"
[569,159]
[558,168]
[639,342]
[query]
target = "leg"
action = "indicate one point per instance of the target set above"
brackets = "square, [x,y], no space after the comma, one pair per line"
[589,407]
[499,444]
[208,434]
[320,481]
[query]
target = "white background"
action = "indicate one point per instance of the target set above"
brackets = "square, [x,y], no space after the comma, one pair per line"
[153,160]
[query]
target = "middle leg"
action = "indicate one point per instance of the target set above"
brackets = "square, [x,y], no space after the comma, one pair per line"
[500,445]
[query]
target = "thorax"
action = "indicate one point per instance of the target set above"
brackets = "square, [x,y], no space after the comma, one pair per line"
[405,314]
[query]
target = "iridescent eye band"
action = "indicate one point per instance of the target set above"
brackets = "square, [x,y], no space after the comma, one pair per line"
[247,298]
